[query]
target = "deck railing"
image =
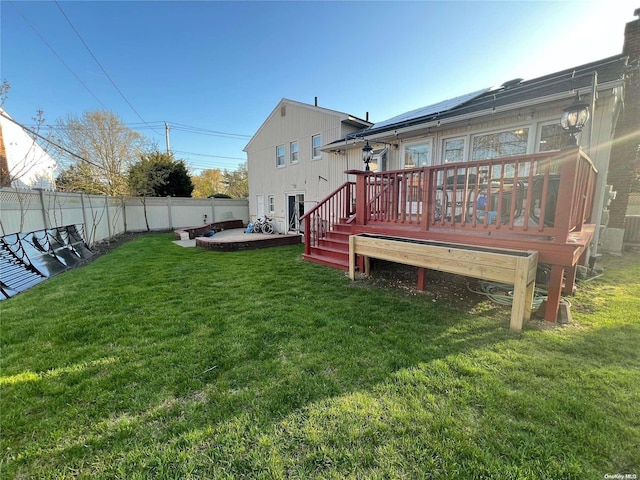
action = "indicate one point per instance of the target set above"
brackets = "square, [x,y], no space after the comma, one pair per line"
[337,207]
[547,194]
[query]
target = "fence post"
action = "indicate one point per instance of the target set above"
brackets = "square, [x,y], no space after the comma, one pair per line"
[84,217]
[124,213]
[213,209]
[106,206]
[45,216]
[169,209]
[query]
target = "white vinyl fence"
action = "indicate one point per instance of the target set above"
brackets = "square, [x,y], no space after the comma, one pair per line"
[103,217]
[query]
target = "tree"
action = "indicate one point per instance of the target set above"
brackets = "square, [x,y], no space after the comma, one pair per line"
[107,149]
[158,174]
[78,178]
[208,183]
[237,182]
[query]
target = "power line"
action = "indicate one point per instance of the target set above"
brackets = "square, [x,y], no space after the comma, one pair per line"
[174,126]
[101,67]
[56,54]
[207,155]
[179,126]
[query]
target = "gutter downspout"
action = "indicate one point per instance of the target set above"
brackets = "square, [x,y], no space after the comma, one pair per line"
[601,182]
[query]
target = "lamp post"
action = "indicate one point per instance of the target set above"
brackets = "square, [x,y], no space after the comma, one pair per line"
[366,155]
[573,119]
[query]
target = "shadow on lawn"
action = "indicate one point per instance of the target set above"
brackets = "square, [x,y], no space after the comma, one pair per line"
[308,413]
[217,396]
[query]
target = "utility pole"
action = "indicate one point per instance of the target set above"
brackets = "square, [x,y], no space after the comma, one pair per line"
[166,135]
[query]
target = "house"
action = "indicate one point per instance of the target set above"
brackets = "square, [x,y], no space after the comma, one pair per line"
[491,168]
[288,171]
[23,162]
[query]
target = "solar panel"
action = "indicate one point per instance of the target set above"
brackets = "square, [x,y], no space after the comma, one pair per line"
[439,107]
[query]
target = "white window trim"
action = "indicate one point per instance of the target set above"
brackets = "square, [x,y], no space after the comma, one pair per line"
[539,125]
[284,157]
[271,204]
[320,146]
[291,152]
[417,142]
[465,150]
[530,139]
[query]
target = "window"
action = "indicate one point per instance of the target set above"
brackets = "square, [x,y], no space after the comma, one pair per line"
[501,144]
[316,143]
[417,155]
[552,137]
[271,204]
[280,156]
[382,160]
[453,150]
[293,152]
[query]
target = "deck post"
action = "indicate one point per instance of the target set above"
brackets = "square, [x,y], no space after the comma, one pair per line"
[570,280]
[421,279]
[566,188]
[352,257]
[553,297]
[361,196]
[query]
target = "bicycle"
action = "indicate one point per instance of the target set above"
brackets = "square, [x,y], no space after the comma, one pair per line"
[263,225]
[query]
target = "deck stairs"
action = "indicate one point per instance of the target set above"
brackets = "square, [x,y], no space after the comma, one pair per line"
[332,250]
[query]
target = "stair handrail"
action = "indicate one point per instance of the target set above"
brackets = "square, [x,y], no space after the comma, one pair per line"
[320,214]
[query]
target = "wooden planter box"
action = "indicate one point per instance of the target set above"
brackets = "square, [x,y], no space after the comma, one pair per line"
[514,267]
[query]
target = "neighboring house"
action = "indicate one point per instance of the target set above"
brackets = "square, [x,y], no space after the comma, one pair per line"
[23,162]
[288,171]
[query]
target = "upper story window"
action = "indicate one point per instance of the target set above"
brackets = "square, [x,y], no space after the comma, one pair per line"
[293,152]
[500,144]
[552,137]
[280,156]
[417,155]
[316,143]
[453,150]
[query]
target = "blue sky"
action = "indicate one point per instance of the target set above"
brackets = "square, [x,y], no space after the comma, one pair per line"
[222,67]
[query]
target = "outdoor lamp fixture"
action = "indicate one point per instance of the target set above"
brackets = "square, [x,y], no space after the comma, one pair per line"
[573,119]
[367,154]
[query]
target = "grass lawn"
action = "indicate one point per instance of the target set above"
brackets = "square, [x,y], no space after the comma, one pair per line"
[156,361]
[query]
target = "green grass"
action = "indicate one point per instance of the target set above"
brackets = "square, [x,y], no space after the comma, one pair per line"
[156,361]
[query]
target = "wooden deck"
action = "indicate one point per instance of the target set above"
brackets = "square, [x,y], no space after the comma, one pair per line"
[538,203]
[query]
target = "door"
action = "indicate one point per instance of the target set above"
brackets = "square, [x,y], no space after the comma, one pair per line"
[259,206]
[295,210]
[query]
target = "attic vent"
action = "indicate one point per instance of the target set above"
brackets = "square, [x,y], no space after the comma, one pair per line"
[512,83]
[283,111]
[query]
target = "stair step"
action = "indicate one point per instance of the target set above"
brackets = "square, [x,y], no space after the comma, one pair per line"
[338,243]
[327,261]
[330,252]
[341,227]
